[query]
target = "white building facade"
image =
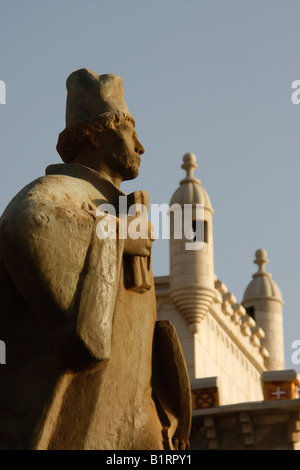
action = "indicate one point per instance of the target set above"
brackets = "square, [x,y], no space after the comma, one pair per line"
[227,345]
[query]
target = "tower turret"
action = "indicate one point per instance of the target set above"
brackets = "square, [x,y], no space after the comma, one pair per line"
[191,260]
[263,302]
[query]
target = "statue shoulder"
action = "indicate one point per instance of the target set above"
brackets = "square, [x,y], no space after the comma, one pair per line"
[49,193]
[44,218]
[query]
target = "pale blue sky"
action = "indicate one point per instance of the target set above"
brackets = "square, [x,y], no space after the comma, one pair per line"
[212,77]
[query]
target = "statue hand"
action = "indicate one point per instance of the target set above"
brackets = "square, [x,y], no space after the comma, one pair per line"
[139,241]
[179,444]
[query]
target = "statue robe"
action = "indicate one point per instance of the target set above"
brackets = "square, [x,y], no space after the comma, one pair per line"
[79,345]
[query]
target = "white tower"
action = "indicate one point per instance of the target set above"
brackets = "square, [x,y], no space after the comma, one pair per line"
[263,302]
[191,270]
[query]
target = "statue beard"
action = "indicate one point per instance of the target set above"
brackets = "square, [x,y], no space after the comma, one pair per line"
[126,165]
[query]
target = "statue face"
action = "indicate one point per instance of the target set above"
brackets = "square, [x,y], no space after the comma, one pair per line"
[122,150]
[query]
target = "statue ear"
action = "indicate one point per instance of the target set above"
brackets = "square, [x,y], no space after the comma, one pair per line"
[95,140]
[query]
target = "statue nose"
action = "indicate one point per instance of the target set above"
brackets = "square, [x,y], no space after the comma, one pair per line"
[139,148]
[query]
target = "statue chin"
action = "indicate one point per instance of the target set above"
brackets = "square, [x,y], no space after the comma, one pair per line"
[131,176]
[130,173]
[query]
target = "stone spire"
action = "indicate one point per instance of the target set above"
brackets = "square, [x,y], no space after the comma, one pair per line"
[261,260]
[191,264]
[190,190]
[263,302]
[262,285]
[189,165]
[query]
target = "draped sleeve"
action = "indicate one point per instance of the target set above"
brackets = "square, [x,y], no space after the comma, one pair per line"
[65,273]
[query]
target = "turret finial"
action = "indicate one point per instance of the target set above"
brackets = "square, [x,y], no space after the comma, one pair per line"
[189,165]
[261,260]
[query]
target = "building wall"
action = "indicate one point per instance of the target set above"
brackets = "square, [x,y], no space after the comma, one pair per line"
[219,349]
[218,355]
[268,314]
[248,426]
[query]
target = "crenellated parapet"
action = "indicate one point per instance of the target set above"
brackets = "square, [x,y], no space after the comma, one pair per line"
[239,325]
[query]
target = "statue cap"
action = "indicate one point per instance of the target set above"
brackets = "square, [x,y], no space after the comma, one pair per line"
[90,95]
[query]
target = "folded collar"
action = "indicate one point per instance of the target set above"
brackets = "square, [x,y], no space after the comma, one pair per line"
[85,173]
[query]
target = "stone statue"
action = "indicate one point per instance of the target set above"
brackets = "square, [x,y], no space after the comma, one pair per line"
[87,364]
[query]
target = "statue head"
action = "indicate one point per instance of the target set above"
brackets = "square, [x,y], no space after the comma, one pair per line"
[96,113]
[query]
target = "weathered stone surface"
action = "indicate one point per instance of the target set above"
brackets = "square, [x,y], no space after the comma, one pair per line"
[80,371]
[248,426]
